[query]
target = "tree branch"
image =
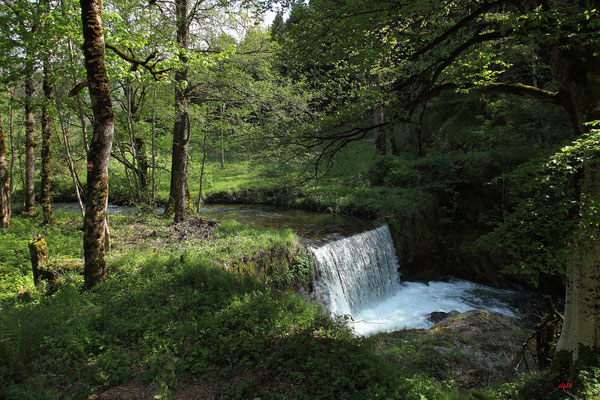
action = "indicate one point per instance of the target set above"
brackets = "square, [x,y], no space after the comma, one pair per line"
[136,63]
[497,87]
[456,27]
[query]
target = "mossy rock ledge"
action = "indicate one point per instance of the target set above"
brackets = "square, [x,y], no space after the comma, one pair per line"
[477,348]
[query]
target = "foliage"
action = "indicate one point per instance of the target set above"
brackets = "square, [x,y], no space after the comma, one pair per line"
[539,235]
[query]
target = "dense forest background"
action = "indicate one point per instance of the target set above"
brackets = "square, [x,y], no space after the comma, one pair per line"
[468,127]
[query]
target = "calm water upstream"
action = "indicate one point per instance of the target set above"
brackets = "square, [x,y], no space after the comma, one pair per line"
[314,227]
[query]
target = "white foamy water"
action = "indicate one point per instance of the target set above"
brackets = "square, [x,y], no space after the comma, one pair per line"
[358,276]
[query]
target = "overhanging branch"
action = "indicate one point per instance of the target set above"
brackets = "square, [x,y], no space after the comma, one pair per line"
[136,63]
[518,89]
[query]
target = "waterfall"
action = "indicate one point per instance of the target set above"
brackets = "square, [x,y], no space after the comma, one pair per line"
[358,276]
[356,272]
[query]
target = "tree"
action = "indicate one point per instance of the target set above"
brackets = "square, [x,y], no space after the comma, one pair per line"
[46,121]
[181,128]
[27,17]
[431,47]
[4,183]
[100,146]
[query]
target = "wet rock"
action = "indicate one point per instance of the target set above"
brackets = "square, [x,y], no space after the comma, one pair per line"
[438,316]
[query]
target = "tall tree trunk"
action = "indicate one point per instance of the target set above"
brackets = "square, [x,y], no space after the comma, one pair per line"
[95,223]
[46,135]
[154,145]
[29,141]
[11,127]
[4,184]
[181,128]
[132,148]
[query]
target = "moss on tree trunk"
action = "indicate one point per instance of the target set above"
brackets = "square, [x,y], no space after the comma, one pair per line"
[94,239]
[46,136]
[38,252]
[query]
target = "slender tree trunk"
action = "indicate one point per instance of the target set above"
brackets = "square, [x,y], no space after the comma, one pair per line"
[140,150]
[379,118]
[29,141]
[222,140]
[95,225]
[74,82]
[132,148]
[126,170]
[181,128]
[202,171]
[4,184]
[395,150]
[20,160]
[46,136]
[65,134]
[11,127]
[154,145]
[222,152]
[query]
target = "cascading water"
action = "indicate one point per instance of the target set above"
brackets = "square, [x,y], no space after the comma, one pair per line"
[356,272]
[358,276]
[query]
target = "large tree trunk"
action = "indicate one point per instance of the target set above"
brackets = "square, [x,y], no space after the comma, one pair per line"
[181,128]
[581,328]
[97,194]
[46,135]
[577,70]
[29,141]
[4,184]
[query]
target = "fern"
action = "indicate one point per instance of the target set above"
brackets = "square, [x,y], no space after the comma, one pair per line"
[19,346]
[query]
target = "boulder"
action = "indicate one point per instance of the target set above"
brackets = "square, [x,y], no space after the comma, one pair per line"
[438,316]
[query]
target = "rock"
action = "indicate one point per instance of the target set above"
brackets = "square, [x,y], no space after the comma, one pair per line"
[491,330]
[438,316]
[492,345]
[474,349]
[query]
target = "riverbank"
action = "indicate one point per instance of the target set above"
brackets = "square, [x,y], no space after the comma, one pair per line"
[177,319]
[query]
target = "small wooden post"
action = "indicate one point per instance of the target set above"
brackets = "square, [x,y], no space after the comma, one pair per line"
[38,250]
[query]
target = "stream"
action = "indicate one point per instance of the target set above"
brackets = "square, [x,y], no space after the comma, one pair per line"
[357,274]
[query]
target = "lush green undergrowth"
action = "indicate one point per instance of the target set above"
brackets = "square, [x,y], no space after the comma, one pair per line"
[179,316]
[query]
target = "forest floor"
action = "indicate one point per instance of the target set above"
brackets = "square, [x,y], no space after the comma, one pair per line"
[184,315]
